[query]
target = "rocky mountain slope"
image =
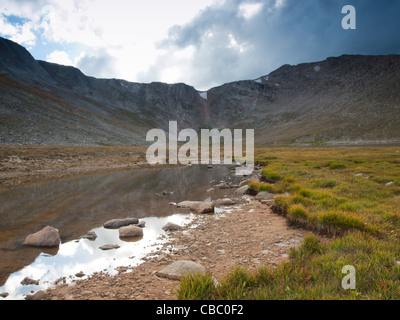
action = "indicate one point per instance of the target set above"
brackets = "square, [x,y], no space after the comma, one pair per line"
[348,99]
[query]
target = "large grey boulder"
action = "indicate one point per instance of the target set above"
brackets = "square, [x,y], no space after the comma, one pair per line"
[118,223]
[47,237]
[197,206]
[180,268]
[130,232]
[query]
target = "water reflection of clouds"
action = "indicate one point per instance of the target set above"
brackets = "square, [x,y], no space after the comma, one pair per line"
[85,256]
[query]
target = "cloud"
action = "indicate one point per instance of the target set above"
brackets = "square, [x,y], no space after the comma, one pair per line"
[20,33]
[60,57]
[240,39]
[203,43]
[100,64]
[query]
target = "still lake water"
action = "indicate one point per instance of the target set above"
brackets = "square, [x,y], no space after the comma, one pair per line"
[79,205]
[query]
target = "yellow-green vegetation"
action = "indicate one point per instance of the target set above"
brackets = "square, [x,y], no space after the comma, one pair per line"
[351,195]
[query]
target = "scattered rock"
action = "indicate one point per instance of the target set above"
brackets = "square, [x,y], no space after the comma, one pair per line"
[172,203]
[264,195]
[47,237]
[40,295]
[244,183]
[79,274]
[389,184]
[209,166]
[167,193]
[197,206]
[141,224]
[242,190]
[28,281]
[90,236]
[171,227]
[268,202]
[118,223]
[130,232]
[109,247]
[224,202]
[180,268]
[4,294]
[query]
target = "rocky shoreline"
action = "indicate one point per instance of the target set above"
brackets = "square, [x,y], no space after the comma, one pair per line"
[241,231]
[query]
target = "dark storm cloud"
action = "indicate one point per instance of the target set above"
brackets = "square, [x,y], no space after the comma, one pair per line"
[230,47]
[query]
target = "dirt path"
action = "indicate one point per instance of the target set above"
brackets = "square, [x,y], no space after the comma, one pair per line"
[249,235]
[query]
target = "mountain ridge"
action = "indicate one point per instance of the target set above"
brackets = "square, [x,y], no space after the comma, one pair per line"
[341,99]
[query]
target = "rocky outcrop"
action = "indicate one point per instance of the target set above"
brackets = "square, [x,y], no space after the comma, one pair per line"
[47,237]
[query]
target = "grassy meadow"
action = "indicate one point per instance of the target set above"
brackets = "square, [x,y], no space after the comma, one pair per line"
[351,197]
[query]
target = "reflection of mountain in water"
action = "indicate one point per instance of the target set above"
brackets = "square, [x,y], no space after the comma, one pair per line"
[78,205]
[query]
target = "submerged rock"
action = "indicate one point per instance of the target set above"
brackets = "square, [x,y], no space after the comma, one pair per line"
[180,268]
[197,206]
[109,247]
[90,236]
[118,223]
[47,237]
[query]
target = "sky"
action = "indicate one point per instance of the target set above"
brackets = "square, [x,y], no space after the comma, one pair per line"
[203,43]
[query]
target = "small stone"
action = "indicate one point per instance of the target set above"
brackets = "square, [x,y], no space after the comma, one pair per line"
[40,295]
[264,195]
[171,227]
[4,294]
[28,281]
[197,206]
[130,232]
[242,190]
[141,224]
[90,236]
[79,274]
[109,247]
[224,202]
[118,223]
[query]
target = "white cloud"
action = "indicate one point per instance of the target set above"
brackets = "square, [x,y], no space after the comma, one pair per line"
[60,57]
[21,34]
[249,10]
